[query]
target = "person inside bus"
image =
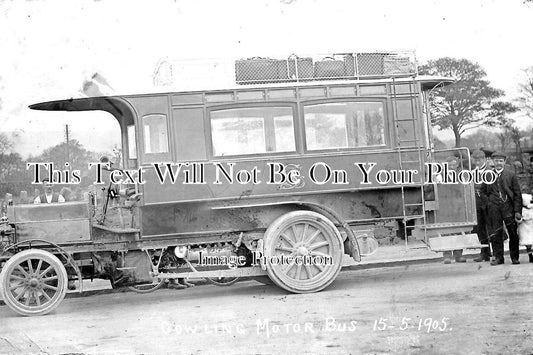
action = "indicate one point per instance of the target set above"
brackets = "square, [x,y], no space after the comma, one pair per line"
[49,196]
[504,206]
[454,163]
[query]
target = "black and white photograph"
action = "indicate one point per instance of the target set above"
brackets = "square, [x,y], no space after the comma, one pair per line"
[266,177]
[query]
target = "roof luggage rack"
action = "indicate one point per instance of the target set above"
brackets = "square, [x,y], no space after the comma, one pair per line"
[288,69]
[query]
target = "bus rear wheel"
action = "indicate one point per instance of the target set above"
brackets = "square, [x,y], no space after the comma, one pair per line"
[33,282]
[303,251]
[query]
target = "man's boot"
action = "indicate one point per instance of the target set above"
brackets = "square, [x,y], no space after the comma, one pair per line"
[185,283]
[484,255]
[496,261]
[529,253]
[173,283]
[481,257]
[458,255]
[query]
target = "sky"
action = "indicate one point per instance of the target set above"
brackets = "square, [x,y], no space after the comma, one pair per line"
[49,47]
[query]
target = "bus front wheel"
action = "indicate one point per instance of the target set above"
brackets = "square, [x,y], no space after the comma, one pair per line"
[33,282]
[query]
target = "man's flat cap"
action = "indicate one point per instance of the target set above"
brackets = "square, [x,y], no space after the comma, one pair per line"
[499,154]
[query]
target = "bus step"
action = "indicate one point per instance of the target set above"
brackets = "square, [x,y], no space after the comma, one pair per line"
[453,242]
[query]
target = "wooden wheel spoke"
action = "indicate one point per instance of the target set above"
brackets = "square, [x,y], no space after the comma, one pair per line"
[22,293]
[290,250]
[304,233]
[319,266]
[308,271]
[16,277]
[318,253]
[312,237]
[287,268]
[51,278]
[37,298]
[298,272]
[30,266]
[287,239]
[46,271]
[49,287]
[294,232]
[21,269]
[14,287]
[318,245]
[48,298]
[38,268]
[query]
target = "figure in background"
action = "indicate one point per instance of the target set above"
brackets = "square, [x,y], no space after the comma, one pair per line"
[49,196]
[525,228]
[504,206]
[479,161]
[518,168]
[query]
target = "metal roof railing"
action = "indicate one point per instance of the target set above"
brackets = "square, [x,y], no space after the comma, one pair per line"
[209,73]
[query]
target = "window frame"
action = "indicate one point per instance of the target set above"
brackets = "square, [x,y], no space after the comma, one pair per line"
[282,104]
[386,124]
[160,156]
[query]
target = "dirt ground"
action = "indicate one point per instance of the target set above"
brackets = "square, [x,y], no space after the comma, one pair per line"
[418,309]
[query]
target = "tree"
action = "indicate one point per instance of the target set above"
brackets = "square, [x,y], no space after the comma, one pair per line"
[498,116]
[5,143]
[481,138]
[74,153]
[464,104]
[525,100]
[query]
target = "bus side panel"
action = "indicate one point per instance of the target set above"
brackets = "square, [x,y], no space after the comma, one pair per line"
[194,217]
[235,180]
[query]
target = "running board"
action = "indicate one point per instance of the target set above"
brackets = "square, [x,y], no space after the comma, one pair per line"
[454,242]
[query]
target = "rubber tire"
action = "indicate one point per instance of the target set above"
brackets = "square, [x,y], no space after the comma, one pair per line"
[336,245]
[35,254]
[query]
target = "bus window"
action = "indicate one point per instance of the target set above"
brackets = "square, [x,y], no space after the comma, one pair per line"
[284,133]
[252,130]
[344,125]
[155,134]
[132,143]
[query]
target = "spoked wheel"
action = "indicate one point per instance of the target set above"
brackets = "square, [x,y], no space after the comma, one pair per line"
[222,281]
[33,282]
[312,242]
[148,287]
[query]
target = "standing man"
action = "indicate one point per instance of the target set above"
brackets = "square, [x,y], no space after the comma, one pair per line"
[479,161]
[49,196]
[504,200]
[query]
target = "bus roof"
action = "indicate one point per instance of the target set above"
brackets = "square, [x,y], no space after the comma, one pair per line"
[115,104]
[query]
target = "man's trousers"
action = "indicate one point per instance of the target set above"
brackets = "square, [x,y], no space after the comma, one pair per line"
[498,215]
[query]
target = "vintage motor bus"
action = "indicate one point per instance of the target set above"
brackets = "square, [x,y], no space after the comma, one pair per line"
[268,178]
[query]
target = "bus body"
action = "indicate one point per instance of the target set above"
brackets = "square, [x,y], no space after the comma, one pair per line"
[263,177]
